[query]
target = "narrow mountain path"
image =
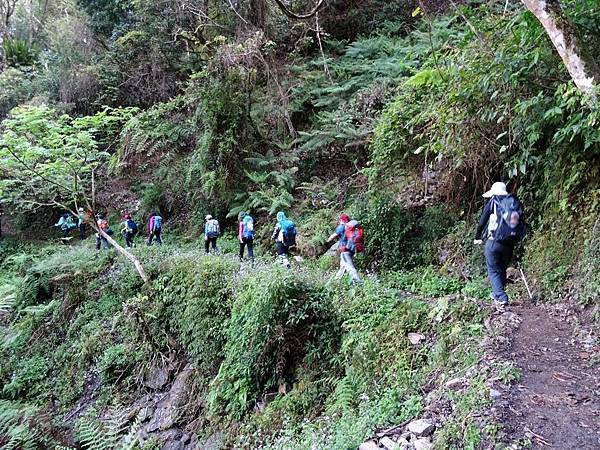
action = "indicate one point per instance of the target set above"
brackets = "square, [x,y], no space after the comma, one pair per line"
[556,402]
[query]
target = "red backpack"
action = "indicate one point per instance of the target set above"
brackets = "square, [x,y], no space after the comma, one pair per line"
[355,237]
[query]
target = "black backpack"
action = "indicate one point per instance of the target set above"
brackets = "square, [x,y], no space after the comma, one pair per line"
[511,221]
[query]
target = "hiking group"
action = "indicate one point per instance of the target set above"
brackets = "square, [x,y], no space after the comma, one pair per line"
[500,229]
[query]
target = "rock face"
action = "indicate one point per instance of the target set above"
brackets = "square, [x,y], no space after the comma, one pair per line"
[156,378]
[421,427]
[160,410]
[167,410]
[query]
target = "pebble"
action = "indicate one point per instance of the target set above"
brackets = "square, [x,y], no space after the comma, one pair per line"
[495,394]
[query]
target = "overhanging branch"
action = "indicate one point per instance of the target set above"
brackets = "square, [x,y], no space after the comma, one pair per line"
[293,15]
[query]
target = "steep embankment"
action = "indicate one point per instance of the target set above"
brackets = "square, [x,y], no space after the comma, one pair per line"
[211,352]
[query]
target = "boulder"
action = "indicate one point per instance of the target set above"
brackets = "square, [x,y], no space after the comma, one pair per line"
[213,442]
[421,427]
[495,394]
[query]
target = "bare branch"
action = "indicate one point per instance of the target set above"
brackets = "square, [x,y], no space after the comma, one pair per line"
[293,15]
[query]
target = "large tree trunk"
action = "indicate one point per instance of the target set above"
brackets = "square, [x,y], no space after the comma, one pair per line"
[583,70]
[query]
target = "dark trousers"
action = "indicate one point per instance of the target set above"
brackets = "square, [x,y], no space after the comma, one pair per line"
[155,235]
[100,241]
[82,231]
[497,257]
[128,239]
[211,241]
[250,243]
[283,251]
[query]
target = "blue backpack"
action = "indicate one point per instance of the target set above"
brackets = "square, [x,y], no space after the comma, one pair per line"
[132,226]
[158,222]
[248,227]
[288,231]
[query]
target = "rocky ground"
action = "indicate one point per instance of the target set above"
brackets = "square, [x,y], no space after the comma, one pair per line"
[556,402]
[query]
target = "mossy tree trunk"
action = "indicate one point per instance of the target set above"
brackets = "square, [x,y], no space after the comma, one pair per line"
[562,32]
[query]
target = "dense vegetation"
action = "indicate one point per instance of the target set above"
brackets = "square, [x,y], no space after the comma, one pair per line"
[400,113]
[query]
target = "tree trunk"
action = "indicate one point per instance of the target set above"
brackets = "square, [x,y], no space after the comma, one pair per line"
[136,262]
[583,70]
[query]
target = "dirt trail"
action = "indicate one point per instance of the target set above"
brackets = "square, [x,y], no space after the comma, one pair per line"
[556,402]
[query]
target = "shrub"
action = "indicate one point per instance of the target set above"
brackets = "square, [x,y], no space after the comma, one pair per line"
[270,326]
[116,361]
[26,379]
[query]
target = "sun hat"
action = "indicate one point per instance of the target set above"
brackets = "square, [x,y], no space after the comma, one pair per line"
[498,188]
[208,217]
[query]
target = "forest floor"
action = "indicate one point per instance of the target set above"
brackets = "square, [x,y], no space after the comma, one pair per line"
[555,404]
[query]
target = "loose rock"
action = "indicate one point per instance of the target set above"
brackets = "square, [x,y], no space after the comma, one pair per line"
[421,427]
[389,444]
[368,445]
[495,394]
[457,384]
[415,338]
[423,444]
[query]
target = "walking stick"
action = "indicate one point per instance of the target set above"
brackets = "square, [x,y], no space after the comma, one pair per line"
[526,283]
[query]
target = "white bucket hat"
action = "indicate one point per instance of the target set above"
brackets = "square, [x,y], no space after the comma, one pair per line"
[498,188]
[208,217]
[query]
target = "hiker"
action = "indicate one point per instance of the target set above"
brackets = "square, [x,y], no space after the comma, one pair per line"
[155,228]
[81,223]
[211,232]
[351,244]
[340,235]
[503,223]
[66,224]
[284,236]
[246,235]
[102,223]
[129,230]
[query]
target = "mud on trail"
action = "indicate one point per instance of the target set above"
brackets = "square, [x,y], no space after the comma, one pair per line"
[556,402]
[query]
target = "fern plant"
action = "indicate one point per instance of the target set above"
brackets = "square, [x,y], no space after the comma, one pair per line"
[15,429]
[114,434]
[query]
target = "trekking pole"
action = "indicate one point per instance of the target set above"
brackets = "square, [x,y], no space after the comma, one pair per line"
[525,281]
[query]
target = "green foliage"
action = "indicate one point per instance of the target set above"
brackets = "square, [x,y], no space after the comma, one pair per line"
[198,299]
[400,238]
[19,52]
[16,431]
[272,312]
[25,381]
[117,361]
[115,433]
[15,88]
[48,159]
[426,281]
